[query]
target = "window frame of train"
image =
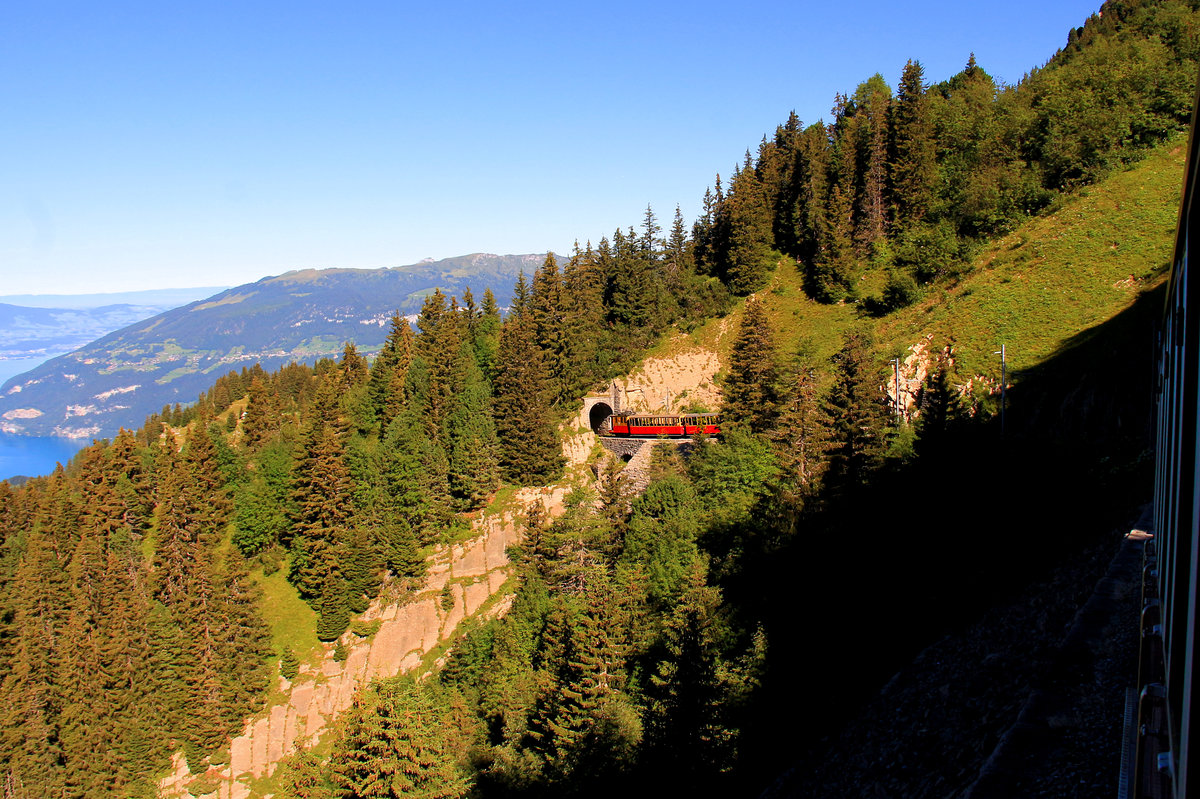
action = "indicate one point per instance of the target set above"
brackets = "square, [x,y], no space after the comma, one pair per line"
[1163,761]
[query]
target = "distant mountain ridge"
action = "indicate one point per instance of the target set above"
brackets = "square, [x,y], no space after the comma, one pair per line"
[299,316]
[164,298]
[33,326]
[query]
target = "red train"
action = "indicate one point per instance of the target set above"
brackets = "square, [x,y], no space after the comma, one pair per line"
[682,424]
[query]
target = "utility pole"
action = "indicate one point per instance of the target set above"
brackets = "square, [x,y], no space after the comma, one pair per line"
[1003,383]
[895,362]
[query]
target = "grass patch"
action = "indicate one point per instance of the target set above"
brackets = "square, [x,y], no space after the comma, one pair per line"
[799,323]
[1057,275]
[174,373]
[293,623]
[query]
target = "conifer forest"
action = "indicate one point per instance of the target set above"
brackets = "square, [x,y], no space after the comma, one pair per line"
[676,641]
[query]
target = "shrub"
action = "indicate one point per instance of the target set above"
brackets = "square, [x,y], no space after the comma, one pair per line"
[900,291]
[289,664]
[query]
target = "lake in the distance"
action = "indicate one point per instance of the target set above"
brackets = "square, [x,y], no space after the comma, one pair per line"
[15,366]
[32,455]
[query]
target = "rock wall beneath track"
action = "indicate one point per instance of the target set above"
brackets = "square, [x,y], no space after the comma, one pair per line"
[474,571]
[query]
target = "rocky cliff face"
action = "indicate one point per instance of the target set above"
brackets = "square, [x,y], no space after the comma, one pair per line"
[475,571]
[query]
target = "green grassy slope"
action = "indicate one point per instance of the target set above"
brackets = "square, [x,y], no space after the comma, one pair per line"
[1032,290]
[1057,275]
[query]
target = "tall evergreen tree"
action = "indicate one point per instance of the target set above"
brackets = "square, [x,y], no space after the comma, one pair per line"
[529,448]
[913,164]
[859,416]
[323,506]
[473,472]
[746,223]
[873,100]
[750,388]
[687,731]
[801,436]
[832,272]
[394,747]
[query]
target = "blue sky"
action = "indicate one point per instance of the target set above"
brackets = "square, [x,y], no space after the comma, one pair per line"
[165,145]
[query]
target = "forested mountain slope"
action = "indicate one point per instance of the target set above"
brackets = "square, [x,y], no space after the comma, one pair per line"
[680,640]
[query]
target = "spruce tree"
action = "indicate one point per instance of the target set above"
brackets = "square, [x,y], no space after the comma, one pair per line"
[262,415]
[487,333]
[810,190]
[529,450]
[859,417]
[913,163]
[687,731]
[389,370]
[322,495]
[473,473]
[289,664]
[873,99]
[661,537]
[394,746]
[747,223]
[750,388]
[801,436]
[30,700]
[832,272]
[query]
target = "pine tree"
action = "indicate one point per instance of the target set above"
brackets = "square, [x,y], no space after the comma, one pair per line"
[487,333]
[750,388]
[529,448]
[746,219]
[262,416]
[323,506]
[394,746]
[389,370]
[243,639]
[439,345]
[545,314]
[471,432]
[416,480]
[858,414]
[588,727]
[333,611]
[289,664]
[873,99]
[661,537]
[914,165]
[810,192]
[940,410]
[30,701]
[687,732]
[832,272]
[801,437]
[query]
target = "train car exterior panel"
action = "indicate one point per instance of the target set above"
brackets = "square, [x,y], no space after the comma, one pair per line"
[670,425]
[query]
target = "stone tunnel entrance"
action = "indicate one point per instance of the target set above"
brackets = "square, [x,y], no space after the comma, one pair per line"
[598,416]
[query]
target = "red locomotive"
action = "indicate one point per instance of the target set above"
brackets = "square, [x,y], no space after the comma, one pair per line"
[682,424]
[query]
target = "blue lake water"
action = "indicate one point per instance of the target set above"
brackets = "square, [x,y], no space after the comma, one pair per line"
[35,455]
[15,366]
[32,455]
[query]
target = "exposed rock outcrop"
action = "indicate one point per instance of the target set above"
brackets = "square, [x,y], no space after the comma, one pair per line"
[474,570]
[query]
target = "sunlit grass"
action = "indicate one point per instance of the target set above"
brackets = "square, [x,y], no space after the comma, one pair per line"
[292,622]
[1055,276]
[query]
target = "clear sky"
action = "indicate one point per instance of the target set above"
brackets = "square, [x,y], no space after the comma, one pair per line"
[181,144]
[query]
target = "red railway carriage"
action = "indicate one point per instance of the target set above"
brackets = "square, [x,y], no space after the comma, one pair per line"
[686,424]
